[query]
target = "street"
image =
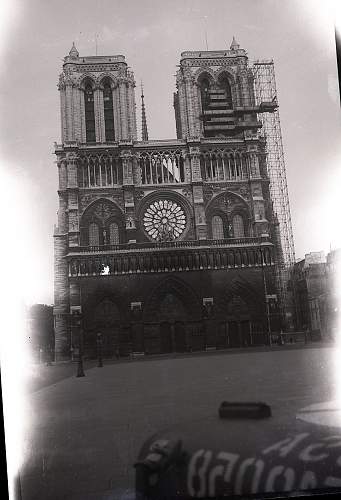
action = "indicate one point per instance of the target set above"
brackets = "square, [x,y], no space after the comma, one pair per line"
[83,434]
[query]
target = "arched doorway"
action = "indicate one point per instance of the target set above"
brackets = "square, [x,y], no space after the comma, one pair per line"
[172,315]
[238,323]
[171,320]
[105,319]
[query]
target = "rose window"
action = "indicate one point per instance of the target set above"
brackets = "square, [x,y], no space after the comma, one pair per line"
[164,220]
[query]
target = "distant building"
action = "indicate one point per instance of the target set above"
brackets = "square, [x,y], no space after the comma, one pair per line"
[333,299]
[178,244]
[315,284]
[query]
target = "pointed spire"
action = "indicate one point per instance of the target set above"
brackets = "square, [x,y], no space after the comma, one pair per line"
[234,44]
[73,52]
[144,119]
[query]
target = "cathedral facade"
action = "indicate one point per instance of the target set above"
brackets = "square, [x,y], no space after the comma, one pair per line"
[164,245]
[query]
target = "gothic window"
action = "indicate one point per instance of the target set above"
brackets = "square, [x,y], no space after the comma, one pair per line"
[217,228]
[238,166]
[205,96]
[114,234]
[108,113]
[161,168]
[93,235]
[238,226]
[225,85]
[164,220]
[89,114]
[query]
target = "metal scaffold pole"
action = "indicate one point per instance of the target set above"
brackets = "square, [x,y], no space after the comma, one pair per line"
[265,92]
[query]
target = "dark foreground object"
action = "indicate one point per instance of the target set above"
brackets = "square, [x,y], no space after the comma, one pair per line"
[244,410]
[214,458]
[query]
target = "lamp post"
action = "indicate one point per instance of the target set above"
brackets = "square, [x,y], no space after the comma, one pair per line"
[78,323]
[266,303]
[99,350]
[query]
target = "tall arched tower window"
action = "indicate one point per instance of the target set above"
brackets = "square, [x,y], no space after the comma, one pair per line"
[205,93]
[224,84]
[93,235]
[217,228]
[89,114]
[238,226]
[114,235]
[108,112]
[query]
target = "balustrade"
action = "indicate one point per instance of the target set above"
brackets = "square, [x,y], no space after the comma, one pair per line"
[171,260]
[160,167]
[225,166]
[99,171]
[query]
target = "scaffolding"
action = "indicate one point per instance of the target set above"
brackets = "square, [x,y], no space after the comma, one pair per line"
[266,98]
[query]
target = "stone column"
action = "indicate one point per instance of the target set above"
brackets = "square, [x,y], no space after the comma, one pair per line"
[98,108]
[61,296]
[61,300]
[129,202]
[132,131]
[244,88]
[199,124]
[69,136]
[117,114]
[62,113]
[101,120]
[198,195]
[123,109]
[182,106]
[190,105]
[77,95]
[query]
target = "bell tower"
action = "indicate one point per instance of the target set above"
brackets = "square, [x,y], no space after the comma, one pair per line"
[215,96]
[97,99]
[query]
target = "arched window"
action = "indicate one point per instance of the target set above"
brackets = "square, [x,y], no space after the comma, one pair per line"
[93,235]
[205,95]
[108,113]
[114,235]
[238,226]
[89,114]
[217,228]
[225,85]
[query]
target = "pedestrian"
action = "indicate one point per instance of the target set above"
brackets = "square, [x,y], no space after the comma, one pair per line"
[117,352]
[281,339]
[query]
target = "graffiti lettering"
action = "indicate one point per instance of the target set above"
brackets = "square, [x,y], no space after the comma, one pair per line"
[213,474]
[258,466]
[277,472]
[308,481]
[337,444]
[196,482]
[218,471]
[285,446]
[307,456]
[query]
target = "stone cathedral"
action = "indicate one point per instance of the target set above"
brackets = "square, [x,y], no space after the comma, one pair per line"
[164,245]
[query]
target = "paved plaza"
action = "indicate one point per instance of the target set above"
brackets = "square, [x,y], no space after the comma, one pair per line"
[83,434]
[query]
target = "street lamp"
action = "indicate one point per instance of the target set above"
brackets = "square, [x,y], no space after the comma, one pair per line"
[78,323]
[99,350]
[266,302]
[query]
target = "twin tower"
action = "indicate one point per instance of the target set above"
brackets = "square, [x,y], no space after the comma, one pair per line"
[166,245]
[214,90]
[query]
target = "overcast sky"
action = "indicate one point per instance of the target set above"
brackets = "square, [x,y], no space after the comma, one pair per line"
[297,34]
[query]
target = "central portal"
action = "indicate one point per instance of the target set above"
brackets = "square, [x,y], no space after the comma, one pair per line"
[172,315]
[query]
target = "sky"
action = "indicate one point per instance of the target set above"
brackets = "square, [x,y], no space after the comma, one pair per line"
[37,34]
